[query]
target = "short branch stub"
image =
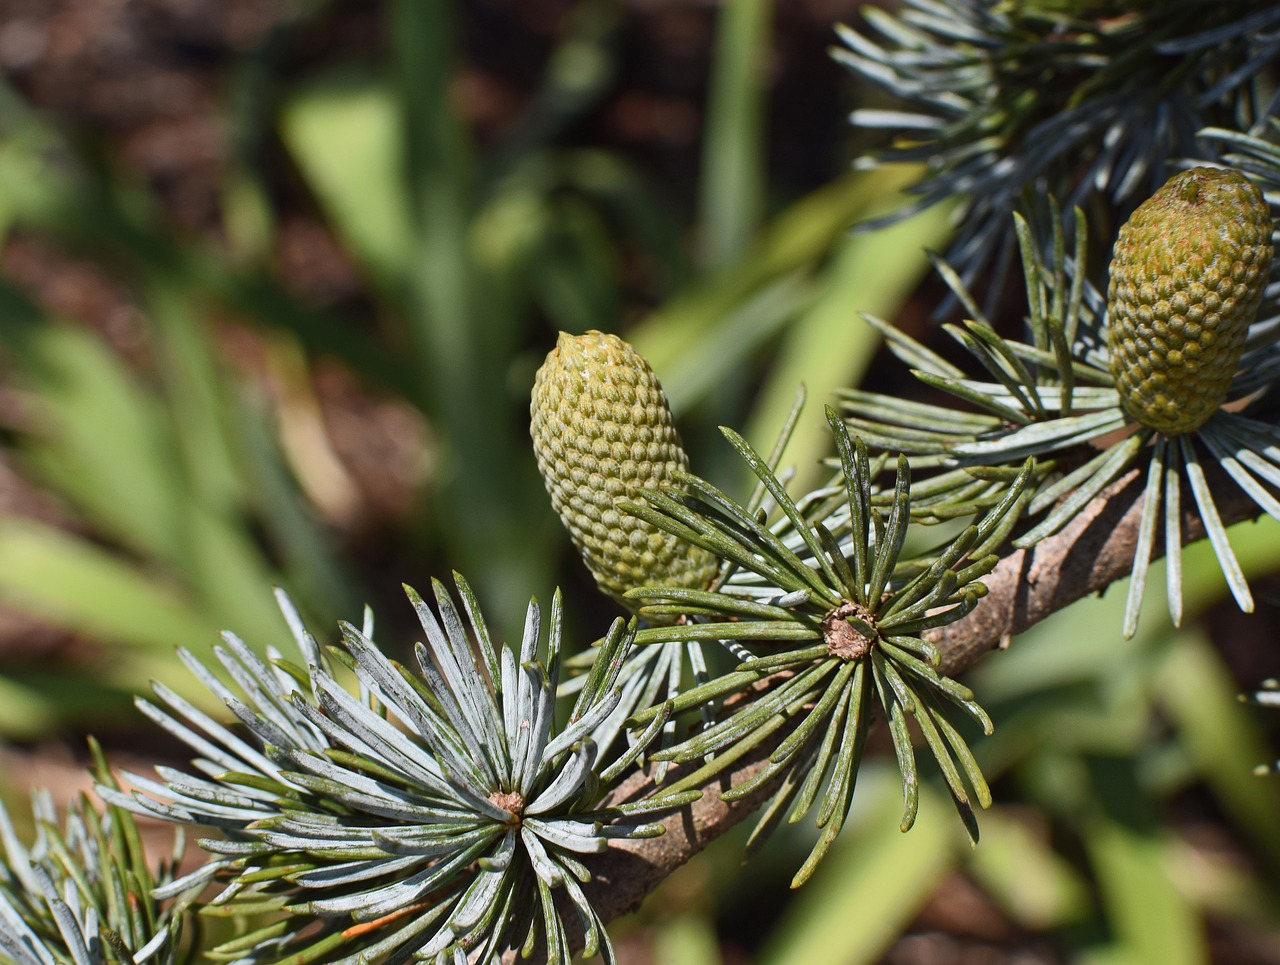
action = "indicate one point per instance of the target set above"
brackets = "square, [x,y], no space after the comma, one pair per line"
[844,640]
[509,801]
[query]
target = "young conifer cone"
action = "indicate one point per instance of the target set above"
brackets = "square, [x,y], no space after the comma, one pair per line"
[602,431]
[1188,273]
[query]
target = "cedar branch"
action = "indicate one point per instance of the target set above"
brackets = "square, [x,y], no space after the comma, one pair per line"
[1092,552]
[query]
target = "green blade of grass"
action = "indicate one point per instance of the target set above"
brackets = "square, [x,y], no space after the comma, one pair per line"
[195,399]
[870,886]
[733,176]
[51,574]
[101,439]
[343,132]
[798,240]
[1150,919]
[77,205]
[687,939]
[116,451]
[35,705]
[1034,885]
[1222,737]
[828,347]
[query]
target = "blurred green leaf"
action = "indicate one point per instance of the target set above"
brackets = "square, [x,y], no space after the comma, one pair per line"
[1222,737]
[573,270]
[225,453]
[1225,887]
[437,183]
[247,214]
[1149,917]
[227,569]
[739,334]
[35,705]
[102,439]
[639,207]
[45,188]
[1035,886]
[870,886]
[316,574]
[1067,686]
[578,72]
[733,160]
[199,410]
[116,451]
[343,131]
[829,346]
[559,228]
[798,240]
[689,939]
[1080,644]
[487,509]
[52,574]
[157,471]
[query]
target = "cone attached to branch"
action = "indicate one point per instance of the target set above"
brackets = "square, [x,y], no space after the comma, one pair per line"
[602,432]
[1188,274]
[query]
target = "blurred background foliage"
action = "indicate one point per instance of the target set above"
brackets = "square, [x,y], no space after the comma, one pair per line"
[274,281]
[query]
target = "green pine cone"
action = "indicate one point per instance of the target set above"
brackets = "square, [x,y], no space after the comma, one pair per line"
[1187,276]
[602,431]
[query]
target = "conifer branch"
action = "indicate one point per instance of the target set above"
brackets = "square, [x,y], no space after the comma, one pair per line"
[1028,585]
